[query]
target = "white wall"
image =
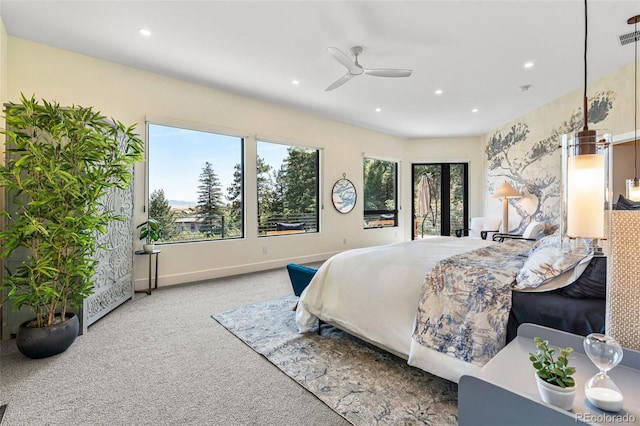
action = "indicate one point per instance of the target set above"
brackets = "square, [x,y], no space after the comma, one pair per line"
[130,95]
[3,64]
[3,92]
[623,160]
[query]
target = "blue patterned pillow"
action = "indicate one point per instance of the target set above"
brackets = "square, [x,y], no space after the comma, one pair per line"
[545,262]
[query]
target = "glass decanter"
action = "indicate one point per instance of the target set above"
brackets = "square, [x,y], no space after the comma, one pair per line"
[605,352]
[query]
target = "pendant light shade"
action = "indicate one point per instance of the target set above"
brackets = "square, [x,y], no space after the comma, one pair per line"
[586,169]
[633,189]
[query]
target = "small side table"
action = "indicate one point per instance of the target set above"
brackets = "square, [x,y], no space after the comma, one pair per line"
[150,254]
[504,391]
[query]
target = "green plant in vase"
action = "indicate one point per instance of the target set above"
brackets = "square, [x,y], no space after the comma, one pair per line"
[61,162]
[150,231]
[553,374]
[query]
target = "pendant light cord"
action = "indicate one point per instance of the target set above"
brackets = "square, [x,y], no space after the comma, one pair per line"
[635,104]
[586,26]
[584,98]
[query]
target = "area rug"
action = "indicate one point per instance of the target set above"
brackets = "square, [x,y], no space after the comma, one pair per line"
[365,385]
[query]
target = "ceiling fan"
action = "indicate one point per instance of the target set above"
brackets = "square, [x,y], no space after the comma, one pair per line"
[354,68]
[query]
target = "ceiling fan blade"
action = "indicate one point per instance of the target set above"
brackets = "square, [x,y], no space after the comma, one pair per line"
[345,60]
[388,72]
[339,82]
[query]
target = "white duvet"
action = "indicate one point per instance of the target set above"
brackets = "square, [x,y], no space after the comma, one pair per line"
[373,294]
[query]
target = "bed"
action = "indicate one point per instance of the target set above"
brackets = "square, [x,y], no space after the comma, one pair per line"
[382,305]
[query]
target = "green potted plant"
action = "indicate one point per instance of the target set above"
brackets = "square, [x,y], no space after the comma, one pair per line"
[150,231]
[554,375]
[61,161]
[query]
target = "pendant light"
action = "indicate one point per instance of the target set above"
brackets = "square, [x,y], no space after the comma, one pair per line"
[586,171]
[633,185]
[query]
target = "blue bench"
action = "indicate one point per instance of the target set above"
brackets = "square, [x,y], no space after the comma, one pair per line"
[300,277]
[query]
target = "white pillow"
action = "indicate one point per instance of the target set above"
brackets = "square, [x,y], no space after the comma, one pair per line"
[552,240]
[545,263]
[562,280]
[533,230]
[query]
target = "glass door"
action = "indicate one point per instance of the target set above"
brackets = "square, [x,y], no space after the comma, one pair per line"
[440,198]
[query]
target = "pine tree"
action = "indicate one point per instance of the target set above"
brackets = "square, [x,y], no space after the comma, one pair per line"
[234,197]
[300,181]
[278,190]
[209,207]
[379,185]
[265,189]
[160,210]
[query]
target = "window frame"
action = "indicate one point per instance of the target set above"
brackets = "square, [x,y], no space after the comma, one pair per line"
[318,203]
[379,212]
[203,128]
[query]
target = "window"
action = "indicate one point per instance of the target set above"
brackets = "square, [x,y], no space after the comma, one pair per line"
[380,193]
[196,184]
[445,190]
[288,182]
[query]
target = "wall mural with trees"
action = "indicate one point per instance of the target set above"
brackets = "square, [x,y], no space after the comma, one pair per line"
[527,154]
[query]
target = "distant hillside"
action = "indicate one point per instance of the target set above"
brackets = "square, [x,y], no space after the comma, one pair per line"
[182,204]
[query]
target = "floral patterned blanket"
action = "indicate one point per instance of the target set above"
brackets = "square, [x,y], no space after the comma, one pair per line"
[465,302]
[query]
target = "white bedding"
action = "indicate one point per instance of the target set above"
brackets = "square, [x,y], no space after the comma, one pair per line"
[377,300]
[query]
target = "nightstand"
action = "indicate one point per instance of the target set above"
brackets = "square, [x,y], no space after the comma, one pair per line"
[504,391]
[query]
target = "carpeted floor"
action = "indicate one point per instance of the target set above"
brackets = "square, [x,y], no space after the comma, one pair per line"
[363,384]
[160,360]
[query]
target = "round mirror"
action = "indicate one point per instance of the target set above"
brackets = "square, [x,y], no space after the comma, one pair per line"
[343,195]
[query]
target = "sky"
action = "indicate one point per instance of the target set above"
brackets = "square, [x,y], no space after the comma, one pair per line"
[177,157]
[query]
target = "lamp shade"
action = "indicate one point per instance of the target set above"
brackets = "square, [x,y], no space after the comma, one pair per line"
[585,210]
[506,191]
[586,187]
[633,189]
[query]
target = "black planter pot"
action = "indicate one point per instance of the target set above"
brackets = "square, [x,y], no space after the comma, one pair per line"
[47,341]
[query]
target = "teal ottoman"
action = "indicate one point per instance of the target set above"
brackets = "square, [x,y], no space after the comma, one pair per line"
[300,277]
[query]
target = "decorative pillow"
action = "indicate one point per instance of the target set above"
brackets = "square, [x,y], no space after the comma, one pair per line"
[592,284]
[564,280]
[544,263]
[552,240]
[287,226]
[626,204]
[533,230]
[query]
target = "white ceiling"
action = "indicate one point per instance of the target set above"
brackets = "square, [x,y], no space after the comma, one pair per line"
[473,50]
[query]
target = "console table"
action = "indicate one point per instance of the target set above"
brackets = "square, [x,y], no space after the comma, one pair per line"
[150,254]
[504,392]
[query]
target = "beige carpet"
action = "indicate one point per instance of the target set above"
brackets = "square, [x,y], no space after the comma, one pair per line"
[161,360]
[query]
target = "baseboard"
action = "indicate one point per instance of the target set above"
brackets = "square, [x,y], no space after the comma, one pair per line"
[208,274]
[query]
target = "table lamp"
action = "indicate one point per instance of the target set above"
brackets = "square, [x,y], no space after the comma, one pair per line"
[506,191]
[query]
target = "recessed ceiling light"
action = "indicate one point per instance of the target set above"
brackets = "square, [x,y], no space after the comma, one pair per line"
[438,92]
[378,109]
[295,82]
[144,31]
[528,64]
[474,110]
